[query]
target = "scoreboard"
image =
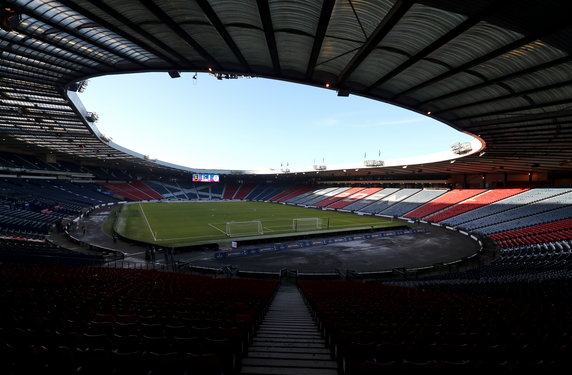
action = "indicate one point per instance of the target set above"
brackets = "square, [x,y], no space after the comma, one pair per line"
[205,177]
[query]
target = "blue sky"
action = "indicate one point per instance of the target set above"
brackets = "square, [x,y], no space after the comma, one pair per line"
[255,123]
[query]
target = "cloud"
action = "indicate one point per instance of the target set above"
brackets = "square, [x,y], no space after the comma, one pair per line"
[329,122]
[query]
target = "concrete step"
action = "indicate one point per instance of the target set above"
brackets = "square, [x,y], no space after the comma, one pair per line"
[279,344]
[253,370]
[288,341]
[304,355]
[286,349]
[283,362]
[289,335]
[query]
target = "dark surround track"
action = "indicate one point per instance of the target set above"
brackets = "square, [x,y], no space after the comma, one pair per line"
[501,70]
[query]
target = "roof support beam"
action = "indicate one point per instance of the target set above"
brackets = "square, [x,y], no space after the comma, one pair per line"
[395,14]
[447,37]
[325,15]
[508,96]
[486,57]
[522,108]
[101,46]
[126,21]
[266,19]
[167,20]
[217,23]
[45,54]
[498,80]
[21,85]
[36,68]
[63,47]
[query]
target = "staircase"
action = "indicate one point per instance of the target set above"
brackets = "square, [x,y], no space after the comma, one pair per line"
[288,341]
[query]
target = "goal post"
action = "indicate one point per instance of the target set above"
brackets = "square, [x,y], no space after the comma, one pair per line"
[309,223]
[244,228]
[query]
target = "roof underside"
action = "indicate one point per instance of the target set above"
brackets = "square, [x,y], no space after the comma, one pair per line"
[501,70]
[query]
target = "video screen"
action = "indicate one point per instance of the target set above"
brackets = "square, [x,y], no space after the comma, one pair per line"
[205,177]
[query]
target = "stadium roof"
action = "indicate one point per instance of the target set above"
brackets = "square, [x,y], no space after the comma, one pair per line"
[501,70]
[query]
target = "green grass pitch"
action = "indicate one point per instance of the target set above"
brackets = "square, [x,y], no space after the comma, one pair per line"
[193,223]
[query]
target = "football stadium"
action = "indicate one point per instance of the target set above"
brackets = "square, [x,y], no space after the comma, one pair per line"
[113,262]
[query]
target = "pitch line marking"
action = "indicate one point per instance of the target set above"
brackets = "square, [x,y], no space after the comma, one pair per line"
[220,230]
[147,221]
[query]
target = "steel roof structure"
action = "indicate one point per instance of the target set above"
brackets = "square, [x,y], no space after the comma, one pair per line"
[501,70]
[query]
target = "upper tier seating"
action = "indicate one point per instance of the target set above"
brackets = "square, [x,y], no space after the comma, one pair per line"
[446,200]
[414,201]
[477,201]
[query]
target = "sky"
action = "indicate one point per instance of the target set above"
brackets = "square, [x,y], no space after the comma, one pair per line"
[255,123]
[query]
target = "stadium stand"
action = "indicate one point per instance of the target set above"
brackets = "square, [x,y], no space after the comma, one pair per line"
[389,200]
[229,190]
[125,190]
[24,248]
[548,232]
[98,320]
[263,192]
[375,329]
[159,188]
[354,198]
[523,215]
[488,197]
[412,202]
[442,202]
[310,194]
[243,191]
[145,189]
[215,190]
[291,193]
[521,199]
[326,194]
[344,194]
[357,206]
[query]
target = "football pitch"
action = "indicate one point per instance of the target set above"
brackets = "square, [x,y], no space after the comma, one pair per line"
[177,224]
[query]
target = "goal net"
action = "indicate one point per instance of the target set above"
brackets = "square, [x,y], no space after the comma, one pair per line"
[308,223]
[244,228]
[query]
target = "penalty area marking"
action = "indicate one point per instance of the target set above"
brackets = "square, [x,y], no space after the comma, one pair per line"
[217,228]
[147,221]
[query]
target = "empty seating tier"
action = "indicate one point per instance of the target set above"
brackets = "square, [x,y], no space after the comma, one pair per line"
[344,194]
[414,201]
[487,197]
[548,232]
[448,199]
[362,194]
[378,329]
[100,320]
